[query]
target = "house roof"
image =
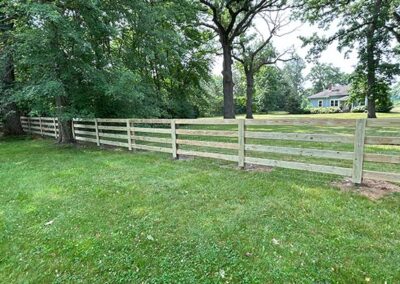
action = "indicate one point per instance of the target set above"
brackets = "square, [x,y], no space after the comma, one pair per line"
[334,91]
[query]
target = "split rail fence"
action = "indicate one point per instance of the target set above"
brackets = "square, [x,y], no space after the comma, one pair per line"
[244,139]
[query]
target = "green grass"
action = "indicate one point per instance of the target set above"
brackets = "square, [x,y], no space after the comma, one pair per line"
[142,217]
[395,113]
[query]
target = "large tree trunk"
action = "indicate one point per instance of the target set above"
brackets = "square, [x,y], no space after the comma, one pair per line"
[249,93]
[11,115]
[64,126]
[371,76]
[229,105]
[372,62]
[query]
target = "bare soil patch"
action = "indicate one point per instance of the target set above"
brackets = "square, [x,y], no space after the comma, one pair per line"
[373,189]
[185,158]
[258,168]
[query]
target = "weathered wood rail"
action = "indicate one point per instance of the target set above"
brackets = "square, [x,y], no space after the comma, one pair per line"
[170,135]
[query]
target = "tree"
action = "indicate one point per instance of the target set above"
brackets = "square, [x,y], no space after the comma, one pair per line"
[229,20]
[281,88]
[254,53]
[8,107]
[272,90]
[323,75]
[359,87]
[293,75]
[361,25]
[110,59]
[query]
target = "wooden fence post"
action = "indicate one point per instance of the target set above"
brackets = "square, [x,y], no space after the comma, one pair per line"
[359,142]
[40,126]
[72,127]
[128,129]
[241,141]
[29,126]
[55,127]
[96,125]
[133,140]
[173,136]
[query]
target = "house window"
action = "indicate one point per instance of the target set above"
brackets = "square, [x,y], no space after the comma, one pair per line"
[320,103]
[334,103]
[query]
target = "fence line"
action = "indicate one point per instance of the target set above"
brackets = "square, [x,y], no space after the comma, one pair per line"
[165,135]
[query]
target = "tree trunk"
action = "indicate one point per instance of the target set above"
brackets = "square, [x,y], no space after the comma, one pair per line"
[249,93]
[229,105]
[64,126]
[371,76]
[372,62]
[12,121]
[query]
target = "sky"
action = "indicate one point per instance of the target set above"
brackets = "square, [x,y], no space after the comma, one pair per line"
[331,55]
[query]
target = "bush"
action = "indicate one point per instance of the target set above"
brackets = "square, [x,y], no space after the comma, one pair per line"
[240,105]
[293,105]
[324,110]
[384,105]
[359,109]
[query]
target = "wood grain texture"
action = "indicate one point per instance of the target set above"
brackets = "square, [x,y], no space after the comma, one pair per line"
[219,133]
[301,137]
[358,158]
[300,166]
[301,152]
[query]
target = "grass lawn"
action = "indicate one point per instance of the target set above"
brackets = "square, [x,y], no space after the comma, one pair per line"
[72,214]
[395,113]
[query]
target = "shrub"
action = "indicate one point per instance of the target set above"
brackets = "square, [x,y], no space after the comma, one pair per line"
[240,105]
[384,105]
[359,109]
[293,105]
[324,110]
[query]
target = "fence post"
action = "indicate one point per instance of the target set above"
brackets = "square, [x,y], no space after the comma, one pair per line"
[40,125]
[55,127]
[241,141]
[358,159]
[128,129]
[29,126]
[72,127]
[96,125]
[133,141]
[173,136]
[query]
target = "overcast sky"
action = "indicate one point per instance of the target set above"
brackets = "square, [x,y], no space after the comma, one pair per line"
[331,55]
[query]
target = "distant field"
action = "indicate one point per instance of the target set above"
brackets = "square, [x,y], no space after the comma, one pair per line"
[395,113]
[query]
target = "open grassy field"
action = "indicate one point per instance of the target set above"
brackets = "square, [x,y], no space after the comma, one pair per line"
[71,214]
[395,113]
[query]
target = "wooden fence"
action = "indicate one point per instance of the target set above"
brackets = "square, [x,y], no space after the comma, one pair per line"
[244,139]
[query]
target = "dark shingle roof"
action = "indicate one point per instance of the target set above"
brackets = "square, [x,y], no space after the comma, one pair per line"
[335,91]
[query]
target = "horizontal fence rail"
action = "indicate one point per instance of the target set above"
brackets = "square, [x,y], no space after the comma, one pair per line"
[240,140]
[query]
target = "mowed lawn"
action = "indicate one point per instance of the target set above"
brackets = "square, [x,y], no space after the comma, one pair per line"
[74,214]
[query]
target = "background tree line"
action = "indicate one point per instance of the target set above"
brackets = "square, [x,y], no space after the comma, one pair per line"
[121,58]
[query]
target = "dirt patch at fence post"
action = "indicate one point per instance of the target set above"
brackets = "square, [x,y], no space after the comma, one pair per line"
[258,168]
[373,189]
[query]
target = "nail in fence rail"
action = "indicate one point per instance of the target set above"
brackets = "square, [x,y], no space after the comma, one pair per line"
[100,131]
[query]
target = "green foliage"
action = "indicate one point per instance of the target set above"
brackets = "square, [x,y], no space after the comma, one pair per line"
[325,110]
[110,58]
[359,109]
[281,89]
[359,92]
[368,27]
[294,105]
[240,105]
[323,75]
